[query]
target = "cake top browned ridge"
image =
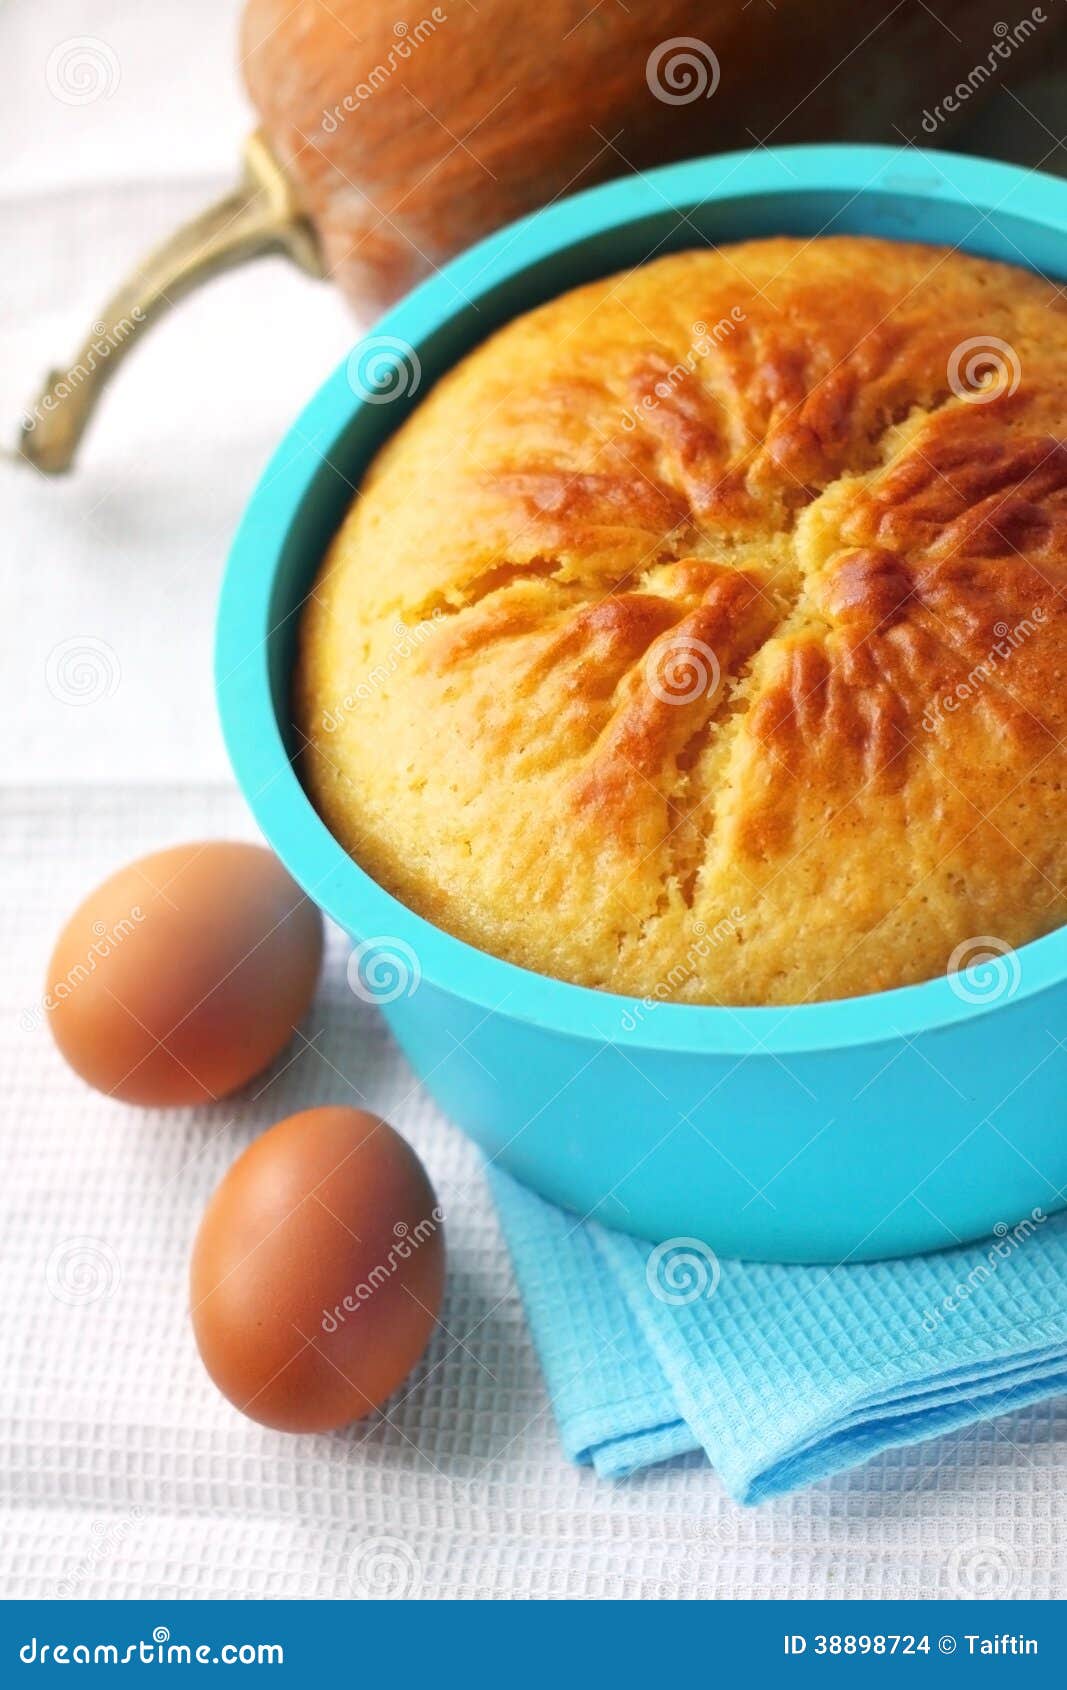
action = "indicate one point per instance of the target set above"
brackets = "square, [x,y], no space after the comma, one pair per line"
[701,636]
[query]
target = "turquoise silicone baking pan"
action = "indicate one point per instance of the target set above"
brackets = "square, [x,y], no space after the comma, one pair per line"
[900,1122]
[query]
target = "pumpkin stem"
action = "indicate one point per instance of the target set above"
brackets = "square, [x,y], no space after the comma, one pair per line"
[259,216]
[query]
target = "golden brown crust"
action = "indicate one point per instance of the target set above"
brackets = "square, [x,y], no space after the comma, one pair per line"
[702,635]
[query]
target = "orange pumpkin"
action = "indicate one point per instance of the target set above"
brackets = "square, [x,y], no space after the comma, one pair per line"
[409,131]
[396,132]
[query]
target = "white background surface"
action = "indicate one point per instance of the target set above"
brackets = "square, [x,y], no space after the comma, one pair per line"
[121,1471]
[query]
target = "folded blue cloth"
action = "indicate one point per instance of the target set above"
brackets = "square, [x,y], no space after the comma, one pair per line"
[782,1375]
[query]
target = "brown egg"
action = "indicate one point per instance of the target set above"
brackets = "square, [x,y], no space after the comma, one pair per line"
[184,975]
[318,1271]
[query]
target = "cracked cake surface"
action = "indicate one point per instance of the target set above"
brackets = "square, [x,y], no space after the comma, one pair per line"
[702,635]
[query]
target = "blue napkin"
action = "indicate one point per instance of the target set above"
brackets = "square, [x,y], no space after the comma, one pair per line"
[782,1375]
